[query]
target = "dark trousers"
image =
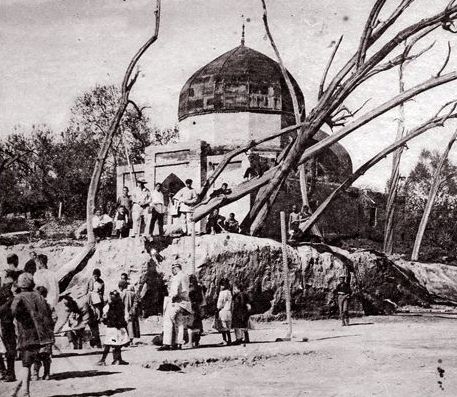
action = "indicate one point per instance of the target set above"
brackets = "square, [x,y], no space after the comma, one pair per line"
[156,216]
[104,231]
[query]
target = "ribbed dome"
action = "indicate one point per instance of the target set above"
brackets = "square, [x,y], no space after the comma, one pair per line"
[241,80]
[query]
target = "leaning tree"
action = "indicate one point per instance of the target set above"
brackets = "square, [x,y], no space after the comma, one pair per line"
[366,62]
[124,101]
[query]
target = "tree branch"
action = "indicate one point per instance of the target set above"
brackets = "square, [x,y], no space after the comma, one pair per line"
[446,61]
[367,31]
[327,68]
[428,125]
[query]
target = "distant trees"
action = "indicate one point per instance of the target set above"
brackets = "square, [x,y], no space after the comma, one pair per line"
[441,229]
[39,168]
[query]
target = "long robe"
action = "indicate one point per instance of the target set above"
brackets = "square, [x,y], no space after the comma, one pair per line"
[130,302]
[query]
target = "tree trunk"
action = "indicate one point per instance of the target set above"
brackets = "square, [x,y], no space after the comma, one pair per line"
[127,85]
[436,181]
[395,174]
[433,123]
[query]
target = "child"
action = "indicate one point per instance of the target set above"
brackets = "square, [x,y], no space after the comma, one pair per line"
[96,291]
[240,314]
[44,357]
[224,306]
[121,222]
[116,332]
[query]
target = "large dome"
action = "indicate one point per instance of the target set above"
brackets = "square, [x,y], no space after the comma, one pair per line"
[241,80]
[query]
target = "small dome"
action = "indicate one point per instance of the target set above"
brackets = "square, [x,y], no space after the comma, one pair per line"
[241,80]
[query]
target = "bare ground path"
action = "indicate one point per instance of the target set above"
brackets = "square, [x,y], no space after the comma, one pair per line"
[376,356]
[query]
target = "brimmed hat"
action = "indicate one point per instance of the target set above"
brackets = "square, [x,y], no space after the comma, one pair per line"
[176,265]
[25,281]
[142,180]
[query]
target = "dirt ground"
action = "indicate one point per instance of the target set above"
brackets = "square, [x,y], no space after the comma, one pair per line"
[375,356]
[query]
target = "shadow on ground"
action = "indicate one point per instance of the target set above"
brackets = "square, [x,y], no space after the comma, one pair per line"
[71,354]
[80,374]
[110,392]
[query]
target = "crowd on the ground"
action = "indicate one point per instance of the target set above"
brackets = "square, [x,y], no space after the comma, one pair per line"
[30,315]
[143,210]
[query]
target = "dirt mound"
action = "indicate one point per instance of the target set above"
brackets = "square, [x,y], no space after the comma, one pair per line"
[379,284]
[440,280]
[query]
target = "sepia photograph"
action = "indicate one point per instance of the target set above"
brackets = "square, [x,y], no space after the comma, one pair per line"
[232,198]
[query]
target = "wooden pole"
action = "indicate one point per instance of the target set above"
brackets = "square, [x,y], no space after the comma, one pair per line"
[193,242]
[60,210]
[286,273]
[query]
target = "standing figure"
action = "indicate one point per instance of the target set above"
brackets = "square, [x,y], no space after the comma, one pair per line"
[46,278]
[8,332]
[224,307]
[157,209]
[131,307]
[343,292]
[186,197]
[240,314]
[34,326]
[294,222]
[197,301]
[121,222]
[116,332]
[96,291]
[125,201]
[176,307]
[141,200]
[44,357]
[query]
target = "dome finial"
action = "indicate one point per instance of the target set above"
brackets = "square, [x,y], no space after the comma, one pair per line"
[242,35]
[243,28]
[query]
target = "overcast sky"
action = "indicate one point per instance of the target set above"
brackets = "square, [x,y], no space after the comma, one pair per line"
[52,51]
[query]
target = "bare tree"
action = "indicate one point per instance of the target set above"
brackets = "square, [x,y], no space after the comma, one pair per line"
[395,172]
[330,106]
[127,85]
[436,121]
[435,186]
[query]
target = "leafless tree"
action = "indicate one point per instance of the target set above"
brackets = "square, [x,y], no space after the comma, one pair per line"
[127,85]
[436,183]
[330,108]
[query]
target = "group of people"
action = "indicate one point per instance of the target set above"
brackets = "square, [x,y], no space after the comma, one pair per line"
[184,306]
[27,301]
[140,212]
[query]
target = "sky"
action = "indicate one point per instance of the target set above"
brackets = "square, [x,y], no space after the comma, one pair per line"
[53,51]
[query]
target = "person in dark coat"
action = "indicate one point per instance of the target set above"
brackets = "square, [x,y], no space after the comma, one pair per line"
[116,334]
[215,222]
[197,301]
[45,353]
[131,307]
[343,293]
[34,325]
[7,326]
[240,314]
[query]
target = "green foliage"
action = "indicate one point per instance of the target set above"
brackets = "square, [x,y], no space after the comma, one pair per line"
[50,168]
